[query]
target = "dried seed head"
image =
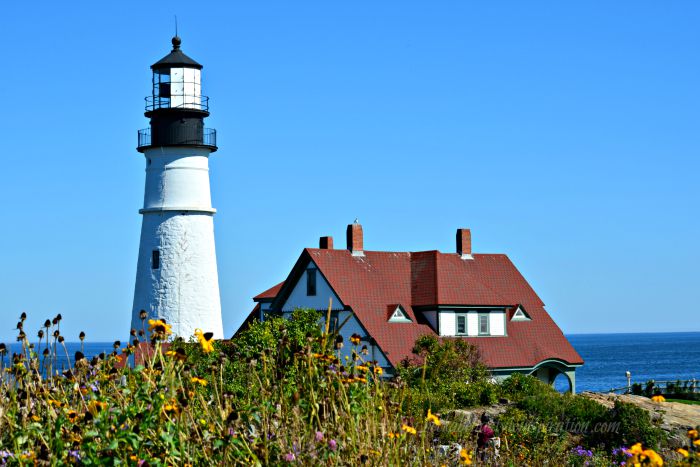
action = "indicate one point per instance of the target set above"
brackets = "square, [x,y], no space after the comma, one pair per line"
[40,334]
[47,323]
[81,336]
[143,315]
[23,316]
[60,339]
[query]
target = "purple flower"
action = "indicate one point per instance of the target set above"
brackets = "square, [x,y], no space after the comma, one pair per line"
[74,454]
[333,444]
[319,436]
[290,457]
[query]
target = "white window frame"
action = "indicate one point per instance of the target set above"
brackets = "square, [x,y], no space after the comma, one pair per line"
[463,316]
[487,317]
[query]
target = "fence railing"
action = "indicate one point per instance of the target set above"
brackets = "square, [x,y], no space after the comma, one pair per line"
[182,101]
[685,386]
[207,137]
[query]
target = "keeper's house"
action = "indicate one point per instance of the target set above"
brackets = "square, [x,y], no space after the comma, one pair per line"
[392,298]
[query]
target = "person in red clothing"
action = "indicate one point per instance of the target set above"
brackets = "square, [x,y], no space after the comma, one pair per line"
[484,434]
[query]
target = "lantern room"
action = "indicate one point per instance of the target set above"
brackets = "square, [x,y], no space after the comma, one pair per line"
[177,82]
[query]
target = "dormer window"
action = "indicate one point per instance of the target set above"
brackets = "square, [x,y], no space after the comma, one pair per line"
[520,315]
[399,316]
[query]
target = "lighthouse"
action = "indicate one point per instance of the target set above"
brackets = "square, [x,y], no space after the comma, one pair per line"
[177,278]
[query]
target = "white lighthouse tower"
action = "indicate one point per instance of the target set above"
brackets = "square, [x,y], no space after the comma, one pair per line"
[176,277]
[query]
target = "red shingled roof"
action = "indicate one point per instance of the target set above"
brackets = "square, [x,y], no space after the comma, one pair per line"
[269,293]
[369,284]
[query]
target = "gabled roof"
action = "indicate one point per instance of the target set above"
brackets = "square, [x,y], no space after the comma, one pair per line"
[269,294]
[369,284]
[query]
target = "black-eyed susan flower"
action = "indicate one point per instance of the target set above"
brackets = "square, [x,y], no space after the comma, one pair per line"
[177,354]
[205,340]
[200,381]
[465,457]
[658,398]
[378,370]
[362,368]
[683,452]
[159,328]
[72,416]
[693,434]
[355,339]
[408,429]
[94,407]
[433,418]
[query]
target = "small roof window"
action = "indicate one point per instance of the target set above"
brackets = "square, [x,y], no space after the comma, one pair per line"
[399,315]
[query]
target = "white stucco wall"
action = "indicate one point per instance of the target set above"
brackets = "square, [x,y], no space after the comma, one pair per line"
[448,322]
[497,323]
[298,298]
[473,323]
[178,222]
[178,178]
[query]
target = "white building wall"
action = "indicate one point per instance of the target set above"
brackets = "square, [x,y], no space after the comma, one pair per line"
[298,298]
[448,324]
[473,323]
[178,222]
[178,178]
[497,323]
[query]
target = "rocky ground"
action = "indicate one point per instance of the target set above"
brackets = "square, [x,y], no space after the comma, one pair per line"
[674,417]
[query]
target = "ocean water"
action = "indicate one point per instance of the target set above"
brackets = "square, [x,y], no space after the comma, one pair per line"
[658,356]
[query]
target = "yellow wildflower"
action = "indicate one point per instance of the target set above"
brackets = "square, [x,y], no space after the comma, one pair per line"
[683,452]
[205,340]
[159,327]
[96,406]
[408,429]
[653,458]
[693,434]
[378,370]
[465,457]
[362,368]
[35,418]
[171,406]
[636,449]
[696,442]
[355,339]
[55,403]
[659,398]
[199,381]
[432,418]
[72,415]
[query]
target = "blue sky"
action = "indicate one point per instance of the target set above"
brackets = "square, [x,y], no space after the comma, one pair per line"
[563,134]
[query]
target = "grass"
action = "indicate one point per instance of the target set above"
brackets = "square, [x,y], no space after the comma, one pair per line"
[684,401]
[278,394]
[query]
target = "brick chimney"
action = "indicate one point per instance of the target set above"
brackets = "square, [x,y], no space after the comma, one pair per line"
[325,243]
[464,243]
[354,238]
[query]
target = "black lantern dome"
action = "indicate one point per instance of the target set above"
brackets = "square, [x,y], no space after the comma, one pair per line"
[176,105]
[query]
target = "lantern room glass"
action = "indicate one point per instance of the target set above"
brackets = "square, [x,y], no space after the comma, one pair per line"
[177,87]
